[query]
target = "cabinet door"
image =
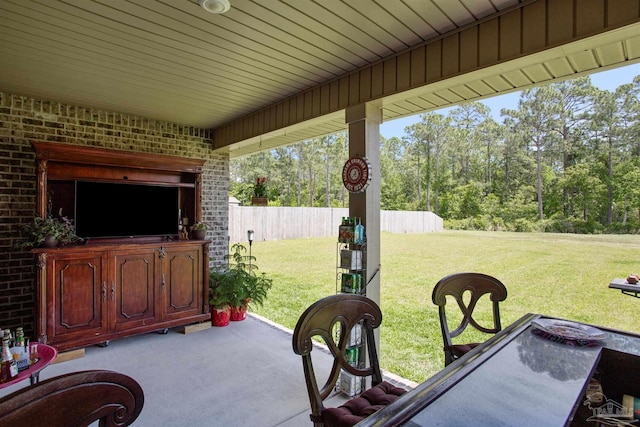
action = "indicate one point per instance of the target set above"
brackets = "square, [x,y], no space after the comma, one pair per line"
[132,292]
[182,282]
[76,302]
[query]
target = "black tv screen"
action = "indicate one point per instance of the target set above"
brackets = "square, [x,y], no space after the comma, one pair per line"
[104,209]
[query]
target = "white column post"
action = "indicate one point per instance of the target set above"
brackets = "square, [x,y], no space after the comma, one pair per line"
[364,140]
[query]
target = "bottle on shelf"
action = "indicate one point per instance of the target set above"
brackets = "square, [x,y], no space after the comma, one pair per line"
[359,232]
[631,406]
[345,231]
[351,230]
[20,350]
[19,337]
[9,367]
[33,353]
[7,333]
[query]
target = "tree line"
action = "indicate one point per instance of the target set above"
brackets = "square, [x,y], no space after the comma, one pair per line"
[567,159]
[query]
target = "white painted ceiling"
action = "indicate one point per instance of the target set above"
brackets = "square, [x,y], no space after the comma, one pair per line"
[171,60]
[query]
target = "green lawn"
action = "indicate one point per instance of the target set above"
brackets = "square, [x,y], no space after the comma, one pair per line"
[555,274]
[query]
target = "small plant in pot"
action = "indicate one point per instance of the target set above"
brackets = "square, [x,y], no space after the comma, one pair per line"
[49,232]
[199,230]
[260,197]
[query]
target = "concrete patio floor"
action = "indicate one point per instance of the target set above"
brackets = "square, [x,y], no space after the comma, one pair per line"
[245,374]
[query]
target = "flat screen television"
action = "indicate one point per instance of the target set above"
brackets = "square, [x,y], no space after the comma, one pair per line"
[105,209]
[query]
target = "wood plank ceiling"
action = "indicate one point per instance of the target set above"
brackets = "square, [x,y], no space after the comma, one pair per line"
[171,60]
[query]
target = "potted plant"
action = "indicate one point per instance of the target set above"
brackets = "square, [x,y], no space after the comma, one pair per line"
[250,287]
[255,288]
[260,192]
[199,230]
[238,285]
[221,285]
[49,232]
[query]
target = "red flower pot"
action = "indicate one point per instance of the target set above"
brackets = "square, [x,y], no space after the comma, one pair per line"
[220,317]
[238,313]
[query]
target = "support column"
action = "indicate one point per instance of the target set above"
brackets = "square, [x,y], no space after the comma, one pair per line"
[364,140]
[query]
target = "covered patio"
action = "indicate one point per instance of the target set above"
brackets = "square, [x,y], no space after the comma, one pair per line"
[169,78]
[266,74]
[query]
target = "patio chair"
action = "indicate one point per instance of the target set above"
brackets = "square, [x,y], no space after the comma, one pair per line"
[76,399]
[457,286]
[332,319]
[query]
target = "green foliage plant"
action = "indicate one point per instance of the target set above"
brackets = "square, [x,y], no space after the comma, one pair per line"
[260,187]
[200,225]
[237,284]
[220,289]
[60,229]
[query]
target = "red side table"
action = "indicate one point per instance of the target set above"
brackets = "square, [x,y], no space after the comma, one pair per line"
[46,354]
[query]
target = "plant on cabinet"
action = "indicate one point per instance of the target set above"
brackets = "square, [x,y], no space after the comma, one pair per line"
[50,232]
[199,230]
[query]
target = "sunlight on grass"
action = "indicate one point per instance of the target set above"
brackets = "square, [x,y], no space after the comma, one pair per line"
[555,274]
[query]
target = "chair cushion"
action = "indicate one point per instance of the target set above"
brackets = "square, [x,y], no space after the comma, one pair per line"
[460,350]
[358,408]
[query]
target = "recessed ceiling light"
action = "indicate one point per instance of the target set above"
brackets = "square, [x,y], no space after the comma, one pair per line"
[215,6]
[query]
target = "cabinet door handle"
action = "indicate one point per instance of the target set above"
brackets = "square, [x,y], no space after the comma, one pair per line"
[113,292]
[104,291]
[164,281]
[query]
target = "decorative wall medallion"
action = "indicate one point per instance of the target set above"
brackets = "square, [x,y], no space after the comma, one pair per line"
[356,174]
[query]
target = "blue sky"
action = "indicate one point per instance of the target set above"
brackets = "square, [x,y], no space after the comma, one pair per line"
[608,80]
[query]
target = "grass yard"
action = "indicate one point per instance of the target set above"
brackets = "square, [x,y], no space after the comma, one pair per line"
[555,274]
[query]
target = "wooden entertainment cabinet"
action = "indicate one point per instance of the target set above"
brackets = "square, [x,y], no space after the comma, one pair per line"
[111,288]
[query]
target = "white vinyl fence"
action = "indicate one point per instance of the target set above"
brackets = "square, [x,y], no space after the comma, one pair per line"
[280,223]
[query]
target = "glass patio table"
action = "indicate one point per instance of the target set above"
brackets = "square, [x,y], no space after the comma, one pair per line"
[521,376]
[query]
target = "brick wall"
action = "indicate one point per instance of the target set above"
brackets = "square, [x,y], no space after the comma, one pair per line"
[24,119]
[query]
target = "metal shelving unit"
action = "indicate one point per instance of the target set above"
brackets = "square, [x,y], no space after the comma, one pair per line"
[351,269]
[351,277]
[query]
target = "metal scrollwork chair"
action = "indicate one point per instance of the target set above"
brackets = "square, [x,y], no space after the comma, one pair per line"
[456,286]
[326,318]
[76,399]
